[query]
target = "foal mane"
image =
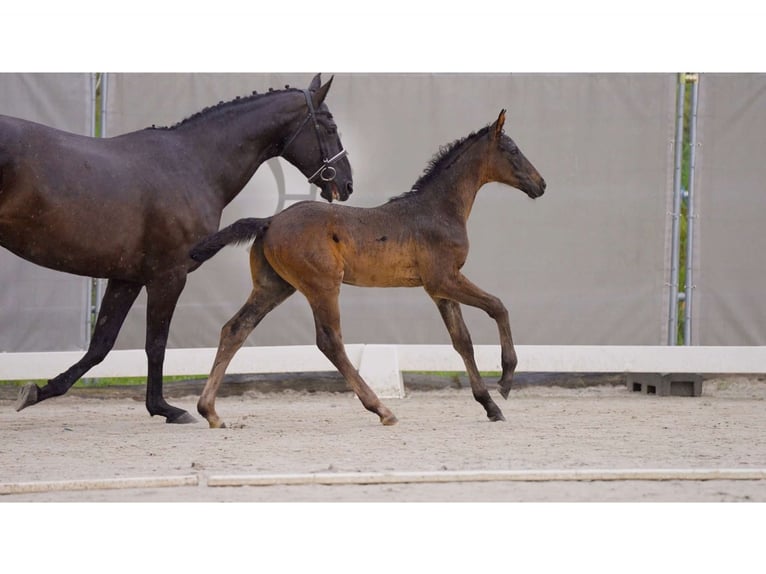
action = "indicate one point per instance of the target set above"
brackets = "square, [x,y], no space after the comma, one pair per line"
[442,160]
[221,106]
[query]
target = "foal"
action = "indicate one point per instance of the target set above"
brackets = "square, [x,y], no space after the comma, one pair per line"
[416,239]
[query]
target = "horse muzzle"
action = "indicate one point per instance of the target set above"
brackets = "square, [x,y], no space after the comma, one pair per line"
[331,191]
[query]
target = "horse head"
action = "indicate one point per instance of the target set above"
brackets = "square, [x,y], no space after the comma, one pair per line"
[315,148]
[508,165]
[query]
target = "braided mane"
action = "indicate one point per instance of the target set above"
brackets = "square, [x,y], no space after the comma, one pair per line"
[222,106]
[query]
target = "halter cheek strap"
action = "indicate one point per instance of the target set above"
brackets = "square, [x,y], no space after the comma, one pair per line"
[326,171]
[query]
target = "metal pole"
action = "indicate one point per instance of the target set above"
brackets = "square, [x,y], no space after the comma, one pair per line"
[89,294]
[690,213]
[676,237]
[96,286]
[101,283]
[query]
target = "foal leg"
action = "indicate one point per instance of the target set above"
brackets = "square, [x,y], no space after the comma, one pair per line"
[460,289]
[118,299]
[162,296]
[461,341]
[269,290]
[330,342]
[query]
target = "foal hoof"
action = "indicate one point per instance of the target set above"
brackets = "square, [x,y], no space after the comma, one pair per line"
[27,396]
[496,416]
[184,418]
[389,420]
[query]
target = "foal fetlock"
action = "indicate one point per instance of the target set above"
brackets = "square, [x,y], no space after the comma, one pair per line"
[387,418]
[493,411]
[504,387]
[210,415]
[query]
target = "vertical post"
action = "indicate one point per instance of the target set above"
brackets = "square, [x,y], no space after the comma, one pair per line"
[676,215]
[98,108]
[90,292]
[690,212]
[101,283]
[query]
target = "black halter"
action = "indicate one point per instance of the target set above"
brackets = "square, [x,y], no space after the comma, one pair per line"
[326,171]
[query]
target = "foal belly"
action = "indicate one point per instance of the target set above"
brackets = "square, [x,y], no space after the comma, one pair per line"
[382,274]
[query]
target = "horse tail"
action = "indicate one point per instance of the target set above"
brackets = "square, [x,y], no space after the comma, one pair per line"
[241,231]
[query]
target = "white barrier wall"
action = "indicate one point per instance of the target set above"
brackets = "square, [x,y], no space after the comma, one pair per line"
[730,196]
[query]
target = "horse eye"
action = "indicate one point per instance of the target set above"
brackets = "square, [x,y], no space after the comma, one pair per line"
[514,151]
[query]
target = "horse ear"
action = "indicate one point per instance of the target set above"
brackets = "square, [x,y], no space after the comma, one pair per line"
[319,95]
[498,127]
[315,83]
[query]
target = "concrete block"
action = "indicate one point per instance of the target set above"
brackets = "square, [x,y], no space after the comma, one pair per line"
[666,384]
[379,366]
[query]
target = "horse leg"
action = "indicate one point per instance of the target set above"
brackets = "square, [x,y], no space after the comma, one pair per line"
[162,296]
[460,289]
[461,341]
[330,342]
[269,290]
[118,299]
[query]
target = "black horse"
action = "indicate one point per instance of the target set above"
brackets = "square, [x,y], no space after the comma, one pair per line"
[129,208]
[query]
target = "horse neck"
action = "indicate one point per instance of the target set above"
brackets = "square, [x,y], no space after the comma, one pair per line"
[233,141]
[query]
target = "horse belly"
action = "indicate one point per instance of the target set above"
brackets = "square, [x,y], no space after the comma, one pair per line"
[70,234]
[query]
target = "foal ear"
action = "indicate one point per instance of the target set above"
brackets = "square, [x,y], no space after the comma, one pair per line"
[497,128]
[319,95]
[315,83]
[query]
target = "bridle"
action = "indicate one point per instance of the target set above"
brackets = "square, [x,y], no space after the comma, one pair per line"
[326,171]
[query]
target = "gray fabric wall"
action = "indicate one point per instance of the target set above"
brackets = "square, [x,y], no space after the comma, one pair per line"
[729,304]
[43,310]
[585,264]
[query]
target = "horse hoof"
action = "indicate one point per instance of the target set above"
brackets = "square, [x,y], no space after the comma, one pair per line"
[504,390]
[182,419]
[497,417]
[27,396]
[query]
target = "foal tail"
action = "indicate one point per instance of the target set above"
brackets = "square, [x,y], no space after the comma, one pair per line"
[241,231]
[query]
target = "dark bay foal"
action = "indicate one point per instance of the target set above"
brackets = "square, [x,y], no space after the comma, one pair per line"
[416,239]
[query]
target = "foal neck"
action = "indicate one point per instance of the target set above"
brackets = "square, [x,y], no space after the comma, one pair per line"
[454,188]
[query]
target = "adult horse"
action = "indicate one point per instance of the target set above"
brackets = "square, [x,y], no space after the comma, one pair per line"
[417,239]
[129,208]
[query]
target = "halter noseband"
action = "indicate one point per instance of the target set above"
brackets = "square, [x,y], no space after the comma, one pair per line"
[326,171]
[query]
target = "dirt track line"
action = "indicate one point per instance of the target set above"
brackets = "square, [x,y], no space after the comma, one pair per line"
[97,484]
[488,476]
[352,478]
